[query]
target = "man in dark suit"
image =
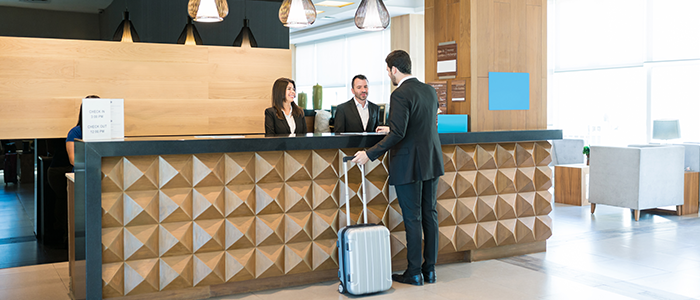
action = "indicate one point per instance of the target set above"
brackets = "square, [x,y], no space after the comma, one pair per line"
[415,164]
[357,114]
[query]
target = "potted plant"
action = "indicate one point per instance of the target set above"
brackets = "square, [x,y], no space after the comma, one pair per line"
[587,152]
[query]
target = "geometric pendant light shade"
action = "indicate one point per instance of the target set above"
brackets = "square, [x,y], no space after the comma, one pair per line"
[297,13]
[372,15]
[189,35]
[207,10]
[126,32]
[245,35]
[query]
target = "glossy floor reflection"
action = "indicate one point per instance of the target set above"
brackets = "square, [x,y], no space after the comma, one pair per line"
[18,245]
[602,256]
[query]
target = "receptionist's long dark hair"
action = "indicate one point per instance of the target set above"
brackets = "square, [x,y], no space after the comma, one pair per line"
[80,114]
[279,94]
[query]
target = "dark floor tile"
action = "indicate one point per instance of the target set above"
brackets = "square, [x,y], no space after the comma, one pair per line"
[11,204]
[20,252]
[29,253]
[10,212]
[20,223]
[16,232]
[7,197]
[18,216]
[18,239]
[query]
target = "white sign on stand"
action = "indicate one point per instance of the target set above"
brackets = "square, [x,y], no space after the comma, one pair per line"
[117,118]
[103,119]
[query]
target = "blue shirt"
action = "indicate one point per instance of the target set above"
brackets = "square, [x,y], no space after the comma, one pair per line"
[75,133]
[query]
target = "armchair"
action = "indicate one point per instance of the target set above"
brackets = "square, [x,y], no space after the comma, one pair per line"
[636,177]
[567,151]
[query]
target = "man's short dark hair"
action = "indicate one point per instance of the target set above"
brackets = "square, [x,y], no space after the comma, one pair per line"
[358,76]
[399,59]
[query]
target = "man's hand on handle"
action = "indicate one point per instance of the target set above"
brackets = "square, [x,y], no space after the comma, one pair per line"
[360,158]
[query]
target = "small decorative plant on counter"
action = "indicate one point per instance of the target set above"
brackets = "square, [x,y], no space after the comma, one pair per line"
[587,152]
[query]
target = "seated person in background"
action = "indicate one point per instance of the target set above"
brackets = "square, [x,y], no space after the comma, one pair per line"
[76,133]
[61,163]
[357,114]
[285,116]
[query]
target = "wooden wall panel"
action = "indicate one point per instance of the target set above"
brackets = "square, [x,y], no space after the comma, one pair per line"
[96,69]
[484,26]
[517,46]
[446,21]
[168,89]
[60,48]
[407,33]
[430,41]
[492,36]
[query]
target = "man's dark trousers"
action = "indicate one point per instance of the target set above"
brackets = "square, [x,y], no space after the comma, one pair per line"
[418,201]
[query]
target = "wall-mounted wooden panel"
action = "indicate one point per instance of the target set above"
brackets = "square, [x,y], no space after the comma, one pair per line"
[492,36]
[407,33]
[514,45]
[167,89]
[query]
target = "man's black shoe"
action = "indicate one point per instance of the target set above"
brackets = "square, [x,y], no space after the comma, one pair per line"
[430,277]
[414,280]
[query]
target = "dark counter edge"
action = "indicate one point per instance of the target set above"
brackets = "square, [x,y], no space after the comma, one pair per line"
[143,146]
[88,176]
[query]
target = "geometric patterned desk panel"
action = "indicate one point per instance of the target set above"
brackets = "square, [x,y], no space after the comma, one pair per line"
[179,221]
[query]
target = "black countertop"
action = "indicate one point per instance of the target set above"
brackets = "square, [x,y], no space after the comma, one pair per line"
[245,143]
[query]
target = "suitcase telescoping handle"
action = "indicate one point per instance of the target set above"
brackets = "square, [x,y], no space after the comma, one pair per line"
[347,191]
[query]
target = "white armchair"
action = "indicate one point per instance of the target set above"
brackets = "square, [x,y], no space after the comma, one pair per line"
[692,156]
[567,151]
[636,177]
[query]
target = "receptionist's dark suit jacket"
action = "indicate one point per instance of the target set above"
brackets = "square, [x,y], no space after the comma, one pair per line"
[347,118]
[275,125]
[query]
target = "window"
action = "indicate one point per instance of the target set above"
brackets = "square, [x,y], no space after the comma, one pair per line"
[615,66]
[333,63]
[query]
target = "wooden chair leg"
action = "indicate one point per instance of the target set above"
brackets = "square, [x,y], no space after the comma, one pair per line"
[636,214]
[592,207]
[679,210]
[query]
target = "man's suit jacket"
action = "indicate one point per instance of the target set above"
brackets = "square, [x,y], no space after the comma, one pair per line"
[415,150]
[275,125]
[347,118]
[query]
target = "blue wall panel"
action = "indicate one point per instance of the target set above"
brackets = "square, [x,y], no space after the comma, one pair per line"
[509,91]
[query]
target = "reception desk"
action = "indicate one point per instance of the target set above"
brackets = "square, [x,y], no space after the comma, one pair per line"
[196,217]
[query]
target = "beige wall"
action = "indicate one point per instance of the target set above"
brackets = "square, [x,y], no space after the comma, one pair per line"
[167,89]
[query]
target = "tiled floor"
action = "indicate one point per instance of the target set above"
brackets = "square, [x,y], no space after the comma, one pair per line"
[18,245]
[602,256]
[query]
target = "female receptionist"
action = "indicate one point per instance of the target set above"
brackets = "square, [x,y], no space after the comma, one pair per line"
[285,116]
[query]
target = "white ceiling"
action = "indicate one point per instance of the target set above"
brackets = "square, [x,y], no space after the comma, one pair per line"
[85,6]
[340,21]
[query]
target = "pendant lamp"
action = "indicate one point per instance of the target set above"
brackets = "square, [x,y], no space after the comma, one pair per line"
[372,15]
[125,31]
[297,13]
[246,34]
[190,35]
[207,10]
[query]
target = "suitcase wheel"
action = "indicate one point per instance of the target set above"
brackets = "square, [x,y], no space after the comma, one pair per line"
[341,288]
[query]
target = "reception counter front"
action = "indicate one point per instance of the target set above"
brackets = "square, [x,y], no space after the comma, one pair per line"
[196,217]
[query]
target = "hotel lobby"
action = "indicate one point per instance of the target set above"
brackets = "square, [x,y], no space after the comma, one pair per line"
[585,186]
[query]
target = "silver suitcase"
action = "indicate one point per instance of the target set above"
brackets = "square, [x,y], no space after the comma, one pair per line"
[364,254]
